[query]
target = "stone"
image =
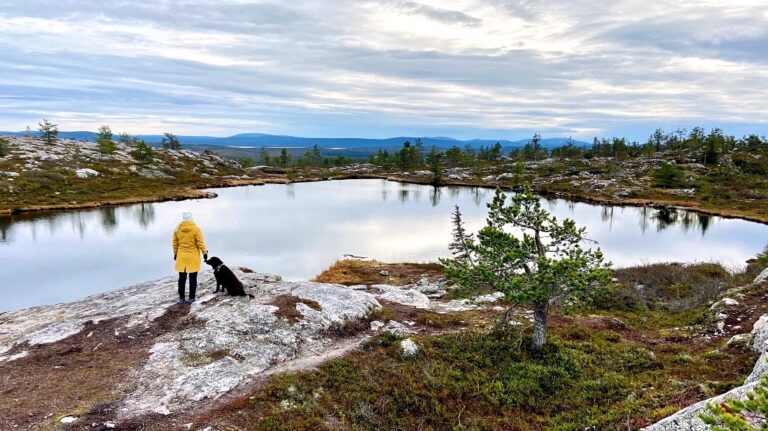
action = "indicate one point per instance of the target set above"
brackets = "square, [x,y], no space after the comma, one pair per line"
[409,348]
[739,339]
[110,425]
[397,329]
[492,297]
[68,419]
[761,277]
[424,285]
[86,173]
[406,297]
[376,325]
[384,273]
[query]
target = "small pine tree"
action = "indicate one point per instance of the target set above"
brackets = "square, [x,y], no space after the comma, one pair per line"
[750,414]
[541,266]
[264,158]
[141,151]
[104,143]
[519,171]
[285,158]
[460,245]
[434,158]
[28,132]
[170,141]
[125,139]
[48,131]
[668,176]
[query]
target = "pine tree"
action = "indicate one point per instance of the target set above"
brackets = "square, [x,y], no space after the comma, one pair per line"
[48,131]
[264,158]
[750,414]
[285,158]
[170,141]
[141,151]
[541,265]
[104,143]
[125,139]
[462,241]
[434,158]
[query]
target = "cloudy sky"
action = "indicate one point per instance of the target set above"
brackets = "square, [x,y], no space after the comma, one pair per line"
[380,68]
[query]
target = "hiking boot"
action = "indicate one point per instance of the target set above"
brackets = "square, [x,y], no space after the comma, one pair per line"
[191,301]
[182,301]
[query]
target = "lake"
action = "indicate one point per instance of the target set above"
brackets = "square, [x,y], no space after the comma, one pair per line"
[298,230]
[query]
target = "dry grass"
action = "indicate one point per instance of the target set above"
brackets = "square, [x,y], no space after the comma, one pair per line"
[286,305]
[351,272]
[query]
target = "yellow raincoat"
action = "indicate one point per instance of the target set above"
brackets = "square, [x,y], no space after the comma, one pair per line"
[187,245]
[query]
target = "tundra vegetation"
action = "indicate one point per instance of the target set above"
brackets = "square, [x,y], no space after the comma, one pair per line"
[617,355]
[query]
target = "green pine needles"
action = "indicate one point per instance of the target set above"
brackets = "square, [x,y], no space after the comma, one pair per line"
[527,254]
[750,414]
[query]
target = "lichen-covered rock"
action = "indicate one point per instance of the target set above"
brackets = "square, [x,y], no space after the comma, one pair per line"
[397,295]
[228,340]
[240,338]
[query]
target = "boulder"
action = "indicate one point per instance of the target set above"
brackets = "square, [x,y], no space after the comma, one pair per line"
[761,277]
[412,298]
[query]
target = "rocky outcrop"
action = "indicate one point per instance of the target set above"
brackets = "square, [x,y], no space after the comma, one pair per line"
[190,356]
[225,342]
[688,418]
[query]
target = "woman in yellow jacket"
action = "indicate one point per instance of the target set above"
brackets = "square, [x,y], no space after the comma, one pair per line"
[187,245]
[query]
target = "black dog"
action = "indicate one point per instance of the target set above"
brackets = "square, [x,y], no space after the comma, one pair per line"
[226,279]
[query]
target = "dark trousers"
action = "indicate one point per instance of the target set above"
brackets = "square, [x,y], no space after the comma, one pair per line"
[192,284]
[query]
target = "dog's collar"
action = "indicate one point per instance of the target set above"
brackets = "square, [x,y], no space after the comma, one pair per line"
[217,268]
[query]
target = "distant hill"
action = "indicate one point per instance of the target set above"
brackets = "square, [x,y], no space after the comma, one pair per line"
[257,140]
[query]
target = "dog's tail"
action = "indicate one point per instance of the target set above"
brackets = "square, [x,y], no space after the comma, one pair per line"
[250,296]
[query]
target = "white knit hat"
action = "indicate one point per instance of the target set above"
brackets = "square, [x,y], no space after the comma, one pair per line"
[186,215]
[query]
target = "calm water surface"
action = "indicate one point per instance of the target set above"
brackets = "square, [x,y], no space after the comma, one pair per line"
[298,230]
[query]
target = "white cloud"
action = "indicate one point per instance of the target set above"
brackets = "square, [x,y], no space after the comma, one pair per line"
[471,68]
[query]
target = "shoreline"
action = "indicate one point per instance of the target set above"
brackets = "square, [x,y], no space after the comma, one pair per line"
[198,192]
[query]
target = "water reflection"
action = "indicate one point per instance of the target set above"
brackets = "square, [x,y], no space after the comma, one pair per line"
[298,230]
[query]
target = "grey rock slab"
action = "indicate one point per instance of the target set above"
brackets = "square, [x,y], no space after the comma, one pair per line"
[406,297]
[182,370]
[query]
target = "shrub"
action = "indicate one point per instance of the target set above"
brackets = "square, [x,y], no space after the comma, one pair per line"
[5,147]
[142,152]
[668,176]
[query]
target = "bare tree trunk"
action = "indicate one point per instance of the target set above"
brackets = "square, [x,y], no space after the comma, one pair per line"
[539,327]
